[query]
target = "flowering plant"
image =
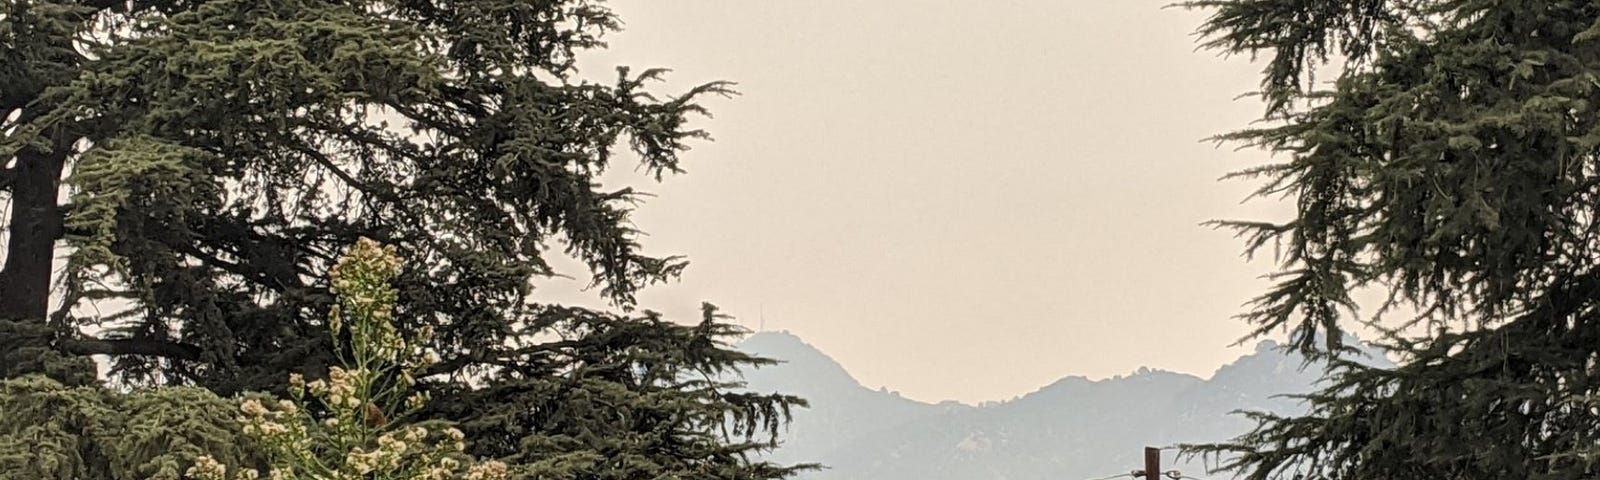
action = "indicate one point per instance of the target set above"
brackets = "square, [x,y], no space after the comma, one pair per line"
[340,428]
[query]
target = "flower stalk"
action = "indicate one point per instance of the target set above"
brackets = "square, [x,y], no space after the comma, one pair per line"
[356,423]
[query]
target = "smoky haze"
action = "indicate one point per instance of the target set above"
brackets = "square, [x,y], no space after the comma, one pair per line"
[957,200]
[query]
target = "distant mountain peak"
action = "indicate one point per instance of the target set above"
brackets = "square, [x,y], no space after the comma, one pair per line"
[799,359]
[783,346]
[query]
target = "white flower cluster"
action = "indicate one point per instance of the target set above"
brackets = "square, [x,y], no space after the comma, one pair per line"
[340,389]
[487,471]
[207,468]
[258,420]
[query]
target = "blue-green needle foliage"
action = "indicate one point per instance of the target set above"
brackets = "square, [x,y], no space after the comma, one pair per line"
[219,155]
[1449,156]
[49,431]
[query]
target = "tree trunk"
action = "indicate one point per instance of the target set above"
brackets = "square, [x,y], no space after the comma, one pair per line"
[34,227]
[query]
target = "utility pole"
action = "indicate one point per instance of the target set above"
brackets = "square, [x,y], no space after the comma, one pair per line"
[1152,463]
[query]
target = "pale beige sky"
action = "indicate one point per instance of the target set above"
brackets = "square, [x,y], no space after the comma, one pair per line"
[956,199]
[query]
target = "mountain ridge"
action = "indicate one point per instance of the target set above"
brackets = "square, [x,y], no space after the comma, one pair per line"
[1074,427]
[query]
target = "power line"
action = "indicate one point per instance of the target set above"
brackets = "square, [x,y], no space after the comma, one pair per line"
[1177,475]
[1172,474]
[1120,475]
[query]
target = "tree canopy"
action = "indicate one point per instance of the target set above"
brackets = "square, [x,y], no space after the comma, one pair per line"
[1450,161]
[53,432]
[203,163]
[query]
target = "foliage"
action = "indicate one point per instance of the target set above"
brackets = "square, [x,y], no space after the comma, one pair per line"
[53,432]
[360,432]
[666,386]
[219,155]
[1452,163]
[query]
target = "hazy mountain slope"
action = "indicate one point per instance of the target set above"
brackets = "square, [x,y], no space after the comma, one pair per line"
[841,409]
[1073,428]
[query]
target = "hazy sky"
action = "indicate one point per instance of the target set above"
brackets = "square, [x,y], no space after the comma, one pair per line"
[955,199]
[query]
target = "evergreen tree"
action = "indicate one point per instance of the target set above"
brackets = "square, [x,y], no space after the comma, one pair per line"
[1451,162]
[49,431]
[203,162]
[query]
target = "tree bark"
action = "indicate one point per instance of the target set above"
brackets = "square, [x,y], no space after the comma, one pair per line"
[130,346]
[36,224]
[32,231]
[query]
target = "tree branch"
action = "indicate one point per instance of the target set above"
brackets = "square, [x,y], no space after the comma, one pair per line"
[131,346]
[512,359]
[281,280]
[392,197]
[99,5]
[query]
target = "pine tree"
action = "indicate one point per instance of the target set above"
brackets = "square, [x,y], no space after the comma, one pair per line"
[1453,161]
[203,163]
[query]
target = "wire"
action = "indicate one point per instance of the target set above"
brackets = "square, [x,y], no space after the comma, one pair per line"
[1172,474]
[1120,475]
